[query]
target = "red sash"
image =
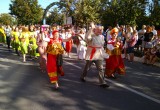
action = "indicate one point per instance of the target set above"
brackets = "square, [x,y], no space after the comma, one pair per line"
[93,51]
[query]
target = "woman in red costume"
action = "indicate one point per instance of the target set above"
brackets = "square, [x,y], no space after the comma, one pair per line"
[69,43]
[115,62]
[55,49]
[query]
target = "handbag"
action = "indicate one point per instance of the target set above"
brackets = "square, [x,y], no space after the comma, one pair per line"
[59,64]
[59,60]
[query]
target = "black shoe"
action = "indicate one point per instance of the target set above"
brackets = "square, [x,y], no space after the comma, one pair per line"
[104,85]
[82,79]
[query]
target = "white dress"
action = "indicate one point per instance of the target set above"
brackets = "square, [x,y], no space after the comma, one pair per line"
[81,49]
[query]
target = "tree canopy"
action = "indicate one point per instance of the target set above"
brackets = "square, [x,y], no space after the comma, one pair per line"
[26,11]
[7,19]
[105,12]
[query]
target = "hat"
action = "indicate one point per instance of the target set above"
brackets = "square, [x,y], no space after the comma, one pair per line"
[114,30]
[54,32]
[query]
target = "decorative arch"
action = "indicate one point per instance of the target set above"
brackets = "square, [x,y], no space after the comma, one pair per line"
[48,7]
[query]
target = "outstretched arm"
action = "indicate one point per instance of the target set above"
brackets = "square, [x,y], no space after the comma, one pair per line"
[89,33]
[68,39]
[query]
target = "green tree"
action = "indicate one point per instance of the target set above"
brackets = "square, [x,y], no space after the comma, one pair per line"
[26,11]
[7,19]
[122,11]
[55,17]
[155,13]
[87,11]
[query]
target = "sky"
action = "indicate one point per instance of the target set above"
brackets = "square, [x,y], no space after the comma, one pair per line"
[4,5]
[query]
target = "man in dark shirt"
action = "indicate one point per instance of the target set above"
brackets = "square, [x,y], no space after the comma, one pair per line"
[148,37]
[8,35]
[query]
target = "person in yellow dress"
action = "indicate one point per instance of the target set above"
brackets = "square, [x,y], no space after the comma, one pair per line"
[2,35]
[16,41]
[33,46]
[24,42]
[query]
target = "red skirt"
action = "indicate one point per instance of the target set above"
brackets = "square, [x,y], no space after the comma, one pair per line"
[69,46]
[52,68]
[114,64]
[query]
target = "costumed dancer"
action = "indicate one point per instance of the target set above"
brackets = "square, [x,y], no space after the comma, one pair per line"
[2,35]
[24,42]
[33,46]
[16,41]
[115,62]
[42,41]
[69,43]
[81,48]
[54,57]
[95,42]
[63,36]
[33,43]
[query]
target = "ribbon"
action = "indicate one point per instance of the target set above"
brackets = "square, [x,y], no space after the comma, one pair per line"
[93,51]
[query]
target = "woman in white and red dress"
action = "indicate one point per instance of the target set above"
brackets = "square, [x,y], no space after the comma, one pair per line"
[115,62]
[69,43]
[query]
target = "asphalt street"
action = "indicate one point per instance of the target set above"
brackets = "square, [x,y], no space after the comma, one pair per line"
[24,87]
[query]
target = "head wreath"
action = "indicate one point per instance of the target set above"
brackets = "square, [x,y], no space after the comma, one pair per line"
[114,30]
[54,32]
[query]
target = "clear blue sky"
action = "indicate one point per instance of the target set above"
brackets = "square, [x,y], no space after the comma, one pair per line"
[4,5]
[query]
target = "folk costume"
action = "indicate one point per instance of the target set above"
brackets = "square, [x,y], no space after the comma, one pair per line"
[24,42]
[16,41]
[95,42]
[42,42]
[54,49]
[33,47]
[69,43]
[81,48]
[2,35]
[115,62]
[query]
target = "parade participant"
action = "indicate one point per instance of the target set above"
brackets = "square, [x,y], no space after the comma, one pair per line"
[33,47]
[16,41]
[8,31]
[69,43]
[128,36]
[108,36]
[54,57]
[115,62]
[24,42]
[81,48]
[2,35]
[42,41]
[95,43]
[63,36]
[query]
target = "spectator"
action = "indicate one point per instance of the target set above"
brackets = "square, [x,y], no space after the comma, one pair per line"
[131,44]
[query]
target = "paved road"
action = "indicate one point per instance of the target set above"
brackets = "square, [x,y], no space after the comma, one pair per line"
[24,87]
